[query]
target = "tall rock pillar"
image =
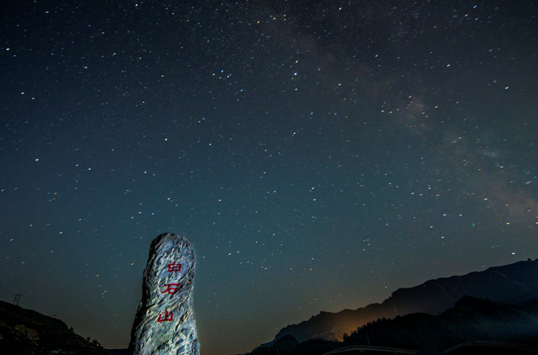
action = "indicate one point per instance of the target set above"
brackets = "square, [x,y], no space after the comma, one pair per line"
[164,322]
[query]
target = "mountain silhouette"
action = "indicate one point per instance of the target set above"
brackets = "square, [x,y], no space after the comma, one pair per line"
[472,326]
[511,284]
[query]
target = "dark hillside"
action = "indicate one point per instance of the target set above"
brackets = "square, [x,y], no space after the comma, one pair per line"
[23,331]
[472,319]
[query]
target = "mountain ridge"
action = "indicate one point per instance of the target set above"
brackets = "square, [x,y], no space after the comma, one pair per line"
[513,284]
[472,326]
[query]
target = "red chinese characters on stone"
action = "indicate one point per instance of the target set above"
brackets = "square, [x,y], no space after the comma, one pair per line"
[171,288]
[168,317]
[174,267]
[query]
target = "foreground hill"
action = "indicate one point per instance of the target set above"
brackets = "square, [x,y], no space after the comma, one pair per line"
[479,324]
[27,332]
[513,284]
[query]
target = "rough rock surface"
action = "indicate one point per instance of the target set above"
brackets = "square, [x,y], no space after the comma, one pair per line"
[164,322]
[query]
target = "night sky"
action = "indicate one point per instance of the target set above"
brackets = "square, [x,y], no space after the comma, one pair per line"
[319,154]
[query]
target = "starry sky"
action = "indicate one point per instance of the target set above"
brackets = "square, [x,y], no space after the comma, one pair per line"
[319,154]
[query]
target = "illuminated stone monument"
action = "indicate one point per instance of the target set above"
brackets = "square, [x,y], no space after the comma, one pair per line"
[164,322]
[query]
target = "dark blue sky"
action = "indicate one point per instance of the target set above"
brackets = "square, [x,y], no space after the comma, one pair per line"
[319,155]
